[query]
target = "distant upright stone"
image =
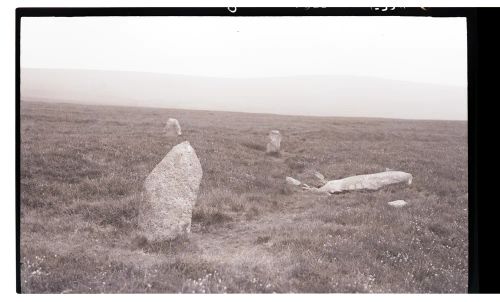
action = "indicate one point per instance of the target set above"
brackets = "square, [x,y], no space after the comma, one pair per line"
[170,193]
[273,146]
[173,128]
[397,203]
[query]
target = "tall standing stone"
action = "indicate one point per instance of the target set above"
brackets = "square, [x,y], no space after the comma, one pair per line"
[273,146]
[170,193]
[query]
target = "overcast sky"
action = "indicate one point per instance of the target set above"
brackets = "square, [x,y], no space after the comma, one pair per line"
[417,49]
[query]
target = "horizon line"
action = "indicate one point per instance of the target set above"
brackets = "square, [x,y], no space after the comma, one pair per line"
[76,102]
[251,77]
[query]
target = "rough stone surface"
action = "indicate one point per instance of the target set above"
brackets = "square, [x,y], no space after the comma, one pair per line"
[397,203]
[292,181]
[366,182]
[312,178]
[273,146]
[319,176]
[173,128]
[170,193]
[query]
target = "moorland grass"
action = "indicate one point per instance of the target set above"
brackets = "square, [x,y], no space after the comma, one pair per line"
[83,167]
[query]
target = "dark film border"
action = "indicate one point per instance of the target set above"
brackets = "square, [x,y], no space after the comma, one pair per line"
[472,61]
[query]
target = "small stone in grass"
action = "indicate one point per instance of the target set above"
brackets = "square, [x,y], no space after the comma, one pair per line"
[292,181]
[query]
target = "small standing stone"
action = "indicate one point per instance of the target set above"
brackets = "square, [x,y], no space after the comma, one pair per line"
[273,146]
[173,128]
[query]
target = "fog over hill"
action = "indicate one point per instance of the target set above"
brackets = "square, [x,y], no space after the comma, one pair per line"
[294,95]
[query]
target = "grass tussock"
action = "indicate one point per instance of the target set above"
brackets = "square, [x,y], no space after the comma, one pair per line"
[254,146]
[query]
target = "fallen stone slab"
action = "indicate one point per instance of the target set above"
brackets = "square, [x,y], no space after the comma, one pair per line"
[397,203]
[366,182]
[363,182]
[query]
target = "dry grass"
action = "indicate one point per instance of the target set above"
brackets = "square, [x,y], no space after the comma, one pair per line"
[82,169]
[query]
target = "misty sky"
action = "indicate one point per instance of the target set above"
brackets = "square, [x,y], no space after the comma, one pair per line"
[416,49]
